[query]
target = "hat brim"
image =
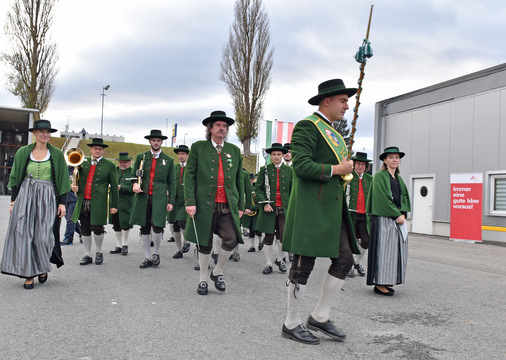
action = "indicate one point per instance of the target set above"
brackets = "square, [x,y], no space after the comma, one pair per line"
[50,129]
[149,137]
[212,119]
[101,145]
[363,160]
[129,159]
[283,150]
[382,156]
[315,100]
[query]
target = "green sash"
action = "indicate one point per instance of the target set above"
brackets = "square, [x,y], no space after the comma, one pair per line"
[334,140]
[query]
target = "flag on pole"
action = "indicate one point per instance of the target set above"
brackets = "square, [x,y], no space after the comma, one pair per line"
[268,140]
[284,132]
[174,134]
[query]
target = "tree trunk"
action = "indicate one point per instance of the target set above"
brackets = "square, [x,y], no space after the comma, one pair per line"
[246,143]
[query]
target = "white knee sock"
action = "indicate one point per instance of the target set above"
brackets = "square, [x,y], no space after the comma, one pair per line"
[252,242]
[216,244]
[360,256]
[268,254]
[125,234]
[87,245]
[281,253]
[204,264]
[157,240]
[118,238]
[330,291]
[99,240]
[146,244]
[222,260]
[295,296]
[177,238]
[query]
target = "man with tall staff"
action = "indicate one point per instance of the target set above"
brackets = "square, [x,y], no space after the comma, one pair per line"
[318,223]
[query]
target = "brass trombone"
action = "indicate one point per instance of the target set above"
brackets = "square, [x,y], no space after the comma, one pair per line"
[74,157]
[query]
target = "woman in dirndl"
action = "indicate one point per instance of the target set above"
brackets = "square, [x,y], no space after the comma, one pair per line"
[39,182]
[388,205]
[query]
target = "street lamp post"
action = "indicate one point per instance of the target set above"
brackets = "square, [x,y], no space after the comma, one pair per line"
[166,130]
[102,118]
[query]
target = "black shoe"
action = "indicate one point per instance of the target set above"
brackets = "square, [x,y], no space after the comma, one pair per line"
[251,249]
[351,274]
[156,259]
[99,258]
[260,246]
[300,334]
[202,289]
[378,291]
[86,260]
[328,328]
[117,250]
[28,286]
[290,256]
[152,243]
[359,269]
[186,247]
[281,265]
[177,255]
[267,270]
[171,239]
[66,242]
[145,264]
[236,256]
[215,258]
[219,283]
[124,250]
[390,288]
[43,278]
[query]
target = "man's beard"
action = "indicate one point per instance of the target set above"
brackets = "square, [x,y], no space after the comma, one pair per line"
[153,148]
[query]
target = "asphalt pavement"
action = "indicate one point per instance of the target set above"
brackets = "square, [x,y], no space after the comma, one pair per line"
[453,306]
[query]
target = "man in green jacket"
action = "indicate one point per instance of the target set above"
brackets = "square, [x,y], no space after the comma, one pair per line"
[96,174]
[177,217]
[155,193]
[318,223]
[121,220]
[214,197]
[356,193]
[272,191]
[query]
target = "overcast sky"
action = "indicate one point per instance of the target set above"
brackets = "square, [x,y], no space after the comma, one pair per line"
[161,58]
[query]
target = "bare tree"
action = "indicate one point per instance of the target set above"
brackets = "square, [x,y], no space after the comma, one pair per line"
[32,57]
[246,66]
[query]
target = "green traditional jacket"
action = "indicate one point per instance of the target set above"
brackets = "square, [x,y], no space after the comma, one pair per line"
[353,192]
[317,203]
[380,201]
[18,172]
[102,197]
[201,181]
[179,211]
[126,196]
[248,196]
[266,220]
[164,189]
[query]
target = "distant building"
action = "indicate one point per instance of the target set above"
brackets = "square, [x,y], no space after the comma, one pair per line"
[455,127]
[79,135]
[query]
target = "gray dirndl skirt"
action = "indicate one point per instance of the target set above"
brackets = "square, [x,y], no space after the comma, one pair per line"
[30,238]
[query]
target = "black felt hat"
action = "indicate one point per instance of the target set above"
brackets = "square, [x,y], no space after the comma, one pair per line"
[276,147]
[155,133]
[217,115]
[98,142]
[331,88]
[42,125]
[182,148]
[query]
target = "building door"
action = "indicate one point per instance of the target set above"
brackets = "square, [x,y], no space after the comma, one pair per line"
[423,194]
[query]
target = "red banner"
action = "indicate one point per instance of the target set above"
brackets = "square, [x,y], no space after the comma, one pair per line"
[466,194]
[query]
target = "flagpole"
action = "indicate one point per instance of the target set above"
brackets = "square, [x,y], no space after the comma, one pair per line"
[364,52]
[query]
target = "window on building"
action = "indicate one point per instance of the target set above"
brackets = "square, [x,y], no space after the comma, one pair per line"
[498,194]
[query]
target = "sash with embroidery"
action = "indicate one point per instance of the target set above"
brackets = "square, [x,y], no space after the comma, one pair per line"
[334,140]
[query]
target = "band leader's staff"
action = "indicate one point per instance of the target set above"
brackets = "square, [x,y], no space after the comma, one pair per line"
[214,196]
[96,175]
[154,196]
[319,159]
[121,220]
[388,204]
[177,217]
[358,190]
[272,191]
[39,183]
